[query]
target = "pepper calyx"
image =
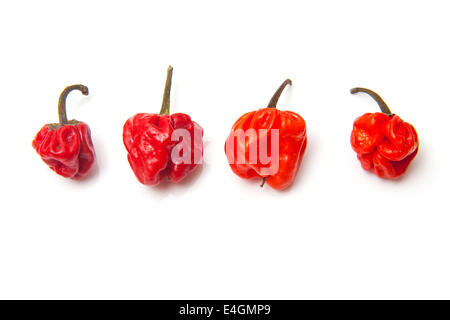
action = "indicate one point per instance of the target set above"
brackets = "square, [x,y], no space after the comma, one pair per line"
[56,126]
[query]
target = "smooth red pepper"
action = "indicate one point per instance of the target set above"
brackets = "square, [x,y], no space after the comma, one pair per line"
[66,147]
[154,147]
[291,140]
[384,143]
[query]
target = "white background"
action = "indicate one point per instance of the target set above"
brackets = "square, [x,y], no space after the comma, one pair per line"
[338,232]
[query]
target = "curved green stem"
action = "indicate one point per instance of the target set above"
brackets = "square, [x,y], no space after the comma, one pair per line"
[383,106]
[165,108]
[273,102]
[62,100]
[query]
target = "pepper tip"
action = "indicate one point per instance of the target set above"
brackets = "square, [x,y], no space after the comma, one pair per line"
[263,182]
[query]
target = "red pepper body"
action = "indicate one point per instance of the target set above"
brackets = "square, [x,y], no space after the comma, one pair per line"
[292,145]
[149,141]
[66,149]
[385,144]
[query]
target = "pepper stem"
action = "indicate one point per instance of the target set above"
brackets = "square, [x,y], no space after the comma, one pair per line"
[62,100]
[273,102]
[165,108]
[383,106]
[263,182]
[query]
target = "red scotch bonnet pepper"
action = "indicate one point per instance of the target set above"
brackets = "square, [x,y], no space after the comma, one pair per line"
[384,143]
[262,129]
[155,151]
[66,147]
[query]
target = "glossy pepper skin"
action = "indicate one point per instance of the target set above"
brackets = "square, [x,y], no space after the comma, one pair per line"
[384,143]
[149,141]
[292,143]
[66,147]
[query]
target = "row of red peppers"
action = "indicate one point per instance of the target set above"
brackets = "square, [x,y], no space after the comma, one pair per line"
[384,143]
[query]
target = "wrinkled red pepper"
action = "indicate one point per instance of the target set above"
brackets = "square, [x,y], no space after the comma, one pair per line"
[66,147]
[292,142]
[384,143]
[151,141]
